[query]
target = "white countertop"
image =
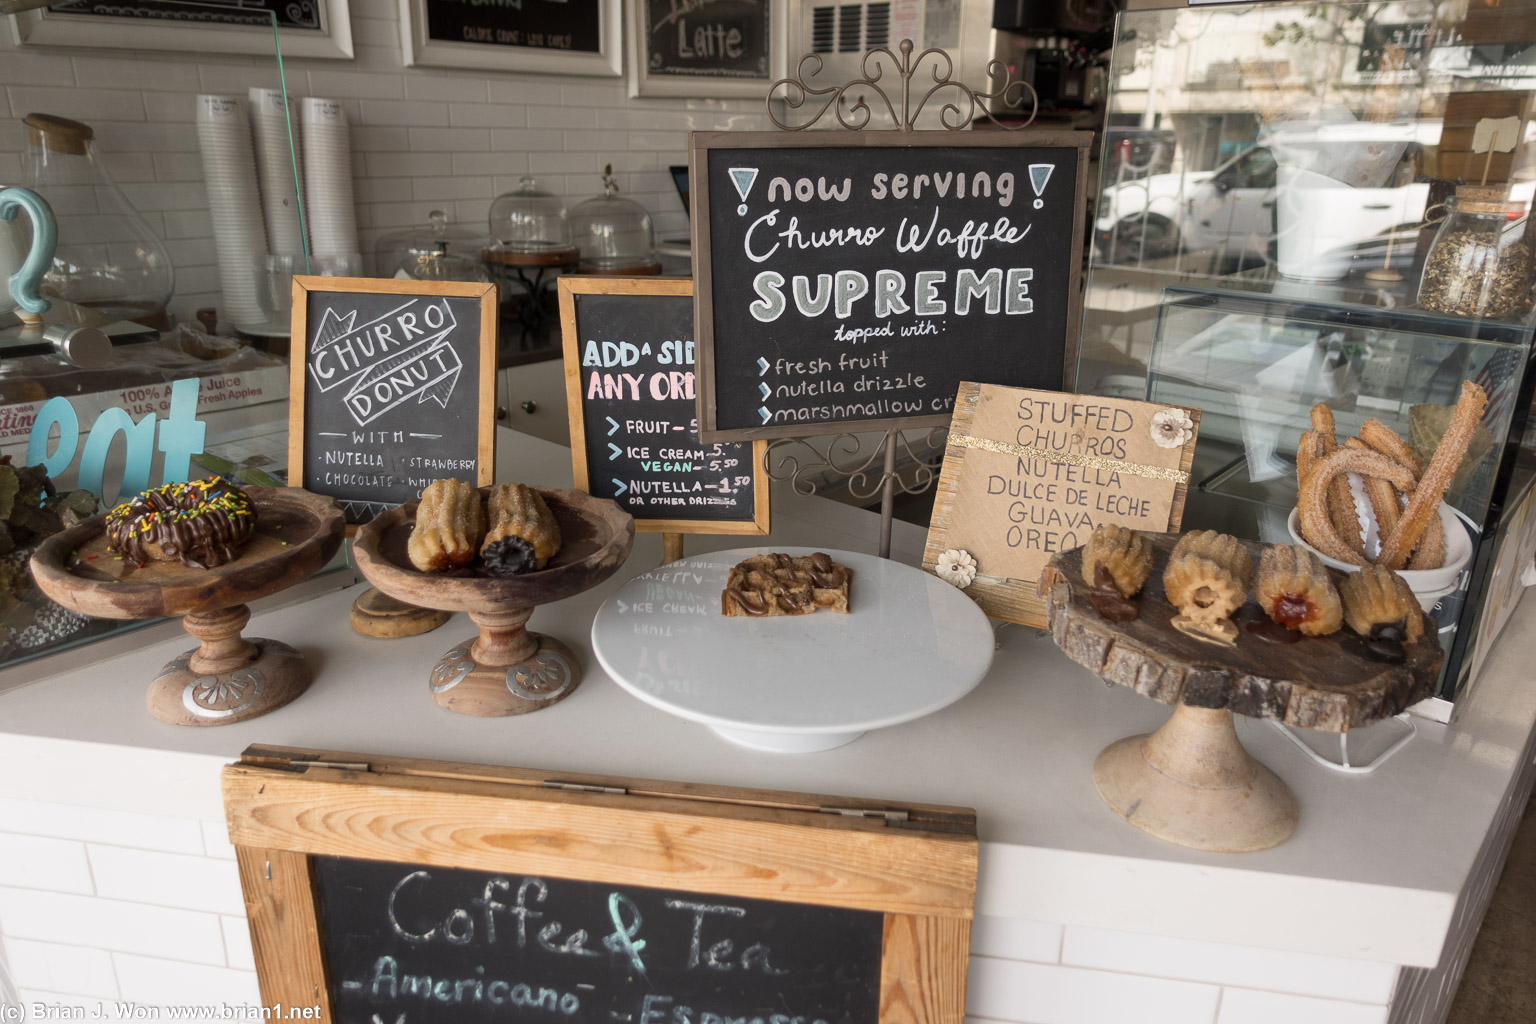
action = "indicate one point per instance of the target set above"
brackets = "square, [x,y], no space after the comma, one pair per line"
[1373,872]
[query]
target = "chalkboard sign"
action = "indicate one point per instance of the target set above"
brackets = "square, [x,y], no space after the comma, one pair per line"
[705,48]
[509,942]
[303,14]
[852,280]
[393,387]
[309,28]
[389,888]
[629,380]
[578,37]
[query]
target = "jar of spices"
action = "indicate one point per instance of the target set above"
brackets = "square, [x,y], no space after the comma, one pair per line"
[1475,268]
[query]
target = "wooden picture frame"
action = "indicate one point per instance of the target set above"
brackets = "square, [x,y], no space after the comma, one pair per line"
[420,50]
[702,144]
[1010,598]
[130,30]
[641,287]
[644,82]
[913,864]
[484,293]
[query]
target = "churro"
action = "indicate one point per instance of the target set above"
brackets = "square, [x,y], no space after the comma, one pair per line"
[1378,602]
[1293,589]
[1430,551]
[1316,524]
[1123,556]
[1390,443]
[1207,575]
[1341,503]
[1424,505]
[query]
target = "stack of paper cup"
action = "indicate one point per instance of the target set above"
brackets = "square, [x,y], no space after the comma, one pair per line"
[327,144]
[229,169]
[274,167]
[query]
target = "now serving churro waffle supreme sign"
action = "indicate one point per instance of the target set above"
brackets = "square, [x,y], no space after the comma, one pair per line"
[393,388]
[1028,474]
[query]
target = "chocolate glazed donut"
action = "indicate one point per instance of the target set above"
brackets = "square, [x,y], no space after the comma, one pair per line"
[201,524]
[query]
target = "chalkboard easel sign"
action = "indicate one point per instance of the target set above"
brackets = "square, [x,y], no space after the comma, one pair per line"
[851,280]
[629,381]
[707,48]
[565,37]
[387,889]
[392,386]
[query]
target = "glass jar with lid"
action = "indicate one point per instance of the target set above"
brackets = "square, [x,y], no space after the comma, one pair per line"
[528,220]
[436,252]
[614,234]
[1475,265]
[108,257]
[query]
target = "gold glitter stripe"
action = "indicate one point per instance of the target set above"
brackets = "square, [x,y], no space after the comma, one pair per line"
[986,444]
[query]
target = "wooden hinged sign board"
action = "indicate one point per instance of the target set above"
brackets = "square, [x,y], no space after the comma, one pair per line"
[392,386]
[852,280]
[393,889]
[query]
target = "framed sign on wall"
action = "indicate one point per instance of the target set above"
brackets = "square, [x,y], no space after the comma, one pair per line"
[706,48]
[561,37]
[308,28]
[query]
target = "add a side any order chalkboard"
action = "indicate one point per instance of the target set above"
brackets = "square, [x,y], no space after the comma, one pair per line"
[393,387]
[448,892]
[630,388]
[851,280]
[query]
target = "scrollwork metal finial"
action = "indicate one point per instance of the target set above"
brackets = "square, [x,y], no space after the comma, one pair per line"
[856,115]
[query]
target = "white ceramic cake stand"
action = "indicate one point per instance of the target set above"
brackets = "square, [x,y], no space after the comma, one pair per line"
[911,644]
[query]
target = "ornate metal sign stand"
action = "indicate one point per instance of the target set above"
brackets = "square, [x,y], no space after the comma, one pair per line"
[798,459]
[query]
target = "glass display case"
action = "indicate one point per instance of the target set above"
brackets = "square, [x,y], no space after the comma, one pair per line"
[1330,206]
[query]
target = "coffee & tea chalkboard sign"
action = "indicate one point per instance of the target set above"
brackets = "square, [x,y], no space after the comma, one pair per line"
[630,388]
[393,387]
[388,888]
[852,280]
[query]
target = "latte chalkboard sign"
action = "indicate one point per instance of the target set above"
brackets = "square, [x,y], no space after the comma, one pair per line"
[852,280]
[705,47]
[629,380]
[389,888]
[393,387]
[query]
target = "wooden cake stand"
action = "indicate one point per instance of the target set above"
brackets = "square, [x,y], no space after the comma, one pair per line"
[1191,782]
[506,670]
[229,678]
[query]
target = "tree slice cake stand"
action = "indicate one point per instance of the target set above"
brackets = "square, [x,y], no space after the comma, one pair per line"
[229,678]
[1191,782]
[505,670]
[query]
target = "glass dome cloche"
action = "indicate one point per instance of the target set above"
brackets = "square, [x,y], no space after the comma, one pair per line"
[528,220]
[436,251]
[614,234]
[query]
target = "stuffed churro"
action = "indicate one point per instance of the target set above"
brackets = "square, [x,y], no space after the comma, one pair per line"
[1294,589]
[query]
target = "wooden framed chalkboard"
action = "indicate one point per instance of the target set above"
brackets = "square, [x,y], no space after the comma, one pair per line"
[388,888]
[852,280]
[392,385]
[707,48]
[564,37]
[308,28]
[629,382]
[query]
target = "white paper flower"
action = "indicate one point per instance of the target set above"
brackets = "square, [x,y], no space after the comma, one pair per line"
[1172,428]
[956,567]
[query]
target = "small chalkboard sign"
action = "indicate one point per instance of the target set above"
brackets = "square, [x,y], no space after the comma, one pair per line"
[850,281]
[629,381]
[574,37]
[384,888]
[705,47]
[309,28]
[392,386]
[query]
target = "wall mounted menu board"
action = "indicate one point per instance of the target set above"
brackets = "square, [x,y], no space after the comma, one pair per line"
[1030,473]
[310,28]
[392,387]
[573,37]
[629,380]
[705,47]
[853,280]
[388,887]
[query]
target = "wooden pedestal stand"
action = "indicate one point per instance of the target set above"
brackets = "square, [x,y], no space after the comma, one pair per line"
[1191,782]
[505,670]
[228,678]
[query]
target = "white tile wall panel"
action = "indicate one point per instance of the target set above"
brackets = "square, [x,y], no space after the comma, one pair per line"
[488,163]
[69,970]
[35,862]
[528,140]
[1027,993]
[162,167]
[407,112]
[346,83]
[560,117]
[486,115]
[167,879]
[451,188]
[424,85]
[148,979]
[237,943]
[170,107]
[170,195]
[216,840]
[187,935]
[448,140]
[1015,939]
[132,73]
[145,831]
[35,69]
[1331,977]
[1247,1006]
[89,105]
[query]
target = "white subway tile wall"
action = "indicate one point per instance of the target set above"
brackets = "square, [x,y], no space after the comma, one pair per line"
[423,139]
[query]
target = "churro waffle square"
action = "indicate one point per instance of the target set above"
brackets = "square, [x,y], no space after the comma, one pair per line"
[779,584]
